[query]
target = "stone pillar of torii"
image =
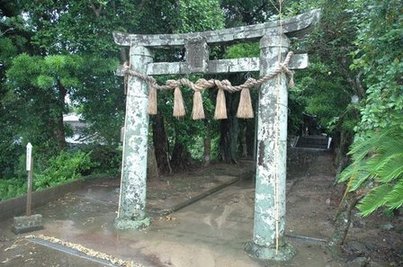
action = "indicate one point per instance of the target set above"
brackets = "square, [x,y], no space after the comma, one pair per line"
[269,216]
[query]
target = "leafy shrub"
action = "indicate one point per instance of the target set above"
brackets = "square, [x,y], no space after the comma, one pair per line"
[105,159]
[10,188]
[377,167]
[62,168]
[9,152]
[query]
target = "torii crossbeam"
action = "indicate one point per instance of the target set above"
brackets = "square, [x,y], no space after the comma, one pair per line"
[269,219]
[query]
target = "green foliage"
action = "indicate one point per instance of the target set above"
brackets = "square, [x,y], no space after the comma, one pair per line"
[356,50]
[65,167]
[105,159]
[243,50]
[325,88]
[80,60]
[192,16]
[296,105]
[82,27]
[377,152]
[7,50]
[36,90]
[59,169]
[66,47]
[377,164]
[10,188]
[197,16]
[379,57]
[44,73]
[185,130]
[295,7]
[240,13]
[62,46]
[324,93]
[100,98]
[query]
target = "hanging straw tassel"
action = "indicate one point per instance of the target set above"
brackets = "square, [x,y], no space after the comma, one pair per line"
[245,110]
[152,100]
[220,108]
[179,107]
[197,111]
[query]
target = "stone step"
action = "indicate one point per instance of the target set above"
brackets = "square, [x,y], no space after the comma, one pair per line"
[313,141]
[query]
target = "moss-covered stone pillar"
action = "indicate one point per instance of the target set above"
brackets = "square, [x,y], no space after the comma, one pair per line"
[269,218]
[132,199]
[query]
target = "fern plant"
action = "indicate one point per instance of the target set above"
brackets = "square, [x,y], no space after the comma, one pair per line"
[377,170]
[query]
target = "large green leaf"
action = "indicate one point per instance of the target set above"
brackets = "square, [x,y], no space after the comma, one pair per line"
[394,198]
[374,199]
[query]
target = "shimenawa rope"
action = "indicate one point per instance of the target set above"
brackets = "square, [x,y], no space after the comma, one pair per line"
[245,106]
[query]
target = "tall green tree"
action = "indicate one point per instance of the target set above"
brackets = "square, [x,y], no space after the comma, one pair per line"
[376,152]
[13,40]
[374,177]
[239,13]
[237,135]
[327,87]
[84,28]
[355,52]
[39,86]
[66,48]
[184,138]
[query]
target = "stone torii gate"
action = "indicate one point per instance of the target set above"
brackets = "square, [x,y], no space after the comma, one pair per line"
[269,218]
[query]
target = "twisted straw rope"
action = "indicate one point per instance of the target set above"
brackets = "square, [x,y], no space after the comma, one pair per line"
[202,84]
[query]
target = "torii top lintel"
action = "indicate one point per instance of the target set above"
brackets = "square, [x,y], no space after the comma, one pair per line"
[296,26]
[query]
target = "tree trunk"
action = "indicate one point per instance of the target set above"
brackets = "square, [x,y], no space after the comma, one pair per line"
[342,223]
[59,129]
[244,143]
[160,141]
[229,131]
[224,141]
[207,150]
[229,140]
[344,140]
[59,132]
[180,157]
[152,168]
[250,135]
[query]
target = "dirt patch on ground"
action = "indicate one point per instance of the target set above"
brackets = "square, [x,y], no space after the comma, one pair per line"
[167,191]
[312,204]
[212,231]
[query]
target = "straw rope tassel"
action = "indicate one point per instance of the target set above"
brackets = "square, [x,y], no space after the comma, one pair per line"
[152,100]
[179,107]
[220,107]
[197,111]
[245,110]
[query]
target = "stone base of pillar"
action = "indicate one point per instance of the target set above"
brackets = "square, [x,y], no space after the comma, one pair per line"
[127,224]
[284,253]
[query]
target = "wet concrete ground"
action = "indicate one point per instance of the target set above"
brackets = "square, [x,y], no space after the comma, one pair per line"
[209,232]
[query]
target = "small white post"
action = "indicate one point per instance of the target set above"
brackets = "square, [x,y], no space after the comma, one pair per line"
[29,169]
